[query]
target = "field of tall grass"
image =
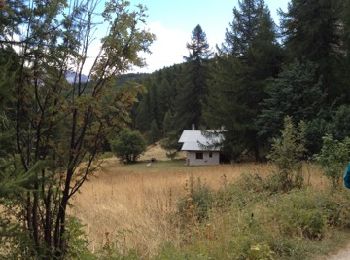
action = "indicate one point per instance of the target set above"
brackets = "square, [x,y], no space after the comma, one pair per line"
[134,207]
[131,204]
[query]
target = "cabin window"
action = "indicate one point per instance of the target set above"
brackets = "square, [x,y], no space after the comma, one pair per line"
[210,155]
[199,156]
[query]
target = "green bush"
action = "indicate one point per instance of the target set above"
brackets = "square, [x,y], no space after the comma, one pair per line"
[195,205]
[333,158]
[336,207]
[300,214]
[77,240]
[250,222]
[128,146]
[287,153]
[249,188]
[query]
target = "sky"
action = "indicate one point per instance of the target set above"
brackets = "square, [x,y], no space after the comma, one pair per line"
[172,21]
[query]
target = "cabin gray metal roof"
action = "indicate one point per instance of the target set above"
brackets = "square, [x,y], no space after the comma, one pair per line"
[197,140]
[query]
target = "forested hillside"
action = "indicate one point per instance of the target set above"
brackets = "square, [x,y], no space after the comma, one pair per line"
[260,74]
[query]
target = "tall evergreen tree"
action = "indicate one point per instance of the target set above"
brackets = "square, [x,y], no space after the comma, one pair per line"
[193,94]
[296,92]
[249,56]
[346,44]
[244,28]
[312,31]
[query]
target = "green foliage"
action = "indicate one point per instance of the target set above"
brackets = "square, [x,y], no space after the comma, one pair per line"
[249,188]
[296,92]
[340,123]
[315,130]
[55,128]
[192,96]
[309,36]
[295,219]
[154,133]
[168,122]
[249,222]
[333,158]
[249,56]
[287,153]
[128,146]
[77,240]
[309,213]
[196,204]
[161,91]
[170,144]
[243,88]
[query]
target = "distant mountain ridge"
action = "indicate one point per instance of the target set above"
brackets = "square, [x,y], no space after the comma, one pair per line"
[70,77]
[134,77]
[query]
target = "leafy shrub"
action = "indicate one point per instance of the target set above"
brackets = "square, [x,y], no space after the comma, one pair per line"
[77,240]
[129,145]
[287,153]
[340,126]
[247,189]
[333,158]
[301,214]
[247,221]
[197,202]
[336,207]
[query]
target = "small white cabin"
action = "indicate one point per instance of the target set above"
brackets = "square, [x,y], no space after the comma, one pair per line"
[202,147]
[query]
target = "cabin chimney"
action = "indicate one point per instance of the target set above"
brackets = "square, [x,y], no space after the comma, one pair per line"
[193,128]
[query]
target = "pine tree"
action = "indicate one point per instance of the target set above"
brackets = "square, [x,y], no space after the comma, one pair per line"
[249,56]
[168,122]
[346,41]
[296,92]
[143,113]
[312,31]
[193,93]
[154,133]
[244,28]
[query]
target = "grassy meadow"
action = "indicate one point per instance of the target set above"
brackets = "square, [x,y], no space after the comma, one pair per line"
[132,203]
[135,207]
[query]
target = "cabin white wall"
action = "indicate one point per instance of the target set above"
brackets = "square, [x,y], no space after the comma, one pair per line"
[192,161]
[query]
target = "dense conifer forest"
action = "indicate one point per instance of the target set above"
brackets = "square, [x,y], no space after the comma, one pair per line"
[262,73]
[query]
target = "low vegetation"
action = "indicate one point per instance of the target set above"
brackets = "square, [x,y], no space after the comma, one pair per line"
[128,146]
[168,211]
[245,221]
[285,210]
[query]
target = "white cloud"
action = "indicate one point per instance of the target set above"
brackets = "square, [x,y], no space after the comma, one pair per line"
[168,49]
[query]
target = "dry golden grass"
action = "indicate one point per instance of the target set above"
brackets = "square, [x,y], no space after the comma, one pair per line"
[131,204]
[155,151]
